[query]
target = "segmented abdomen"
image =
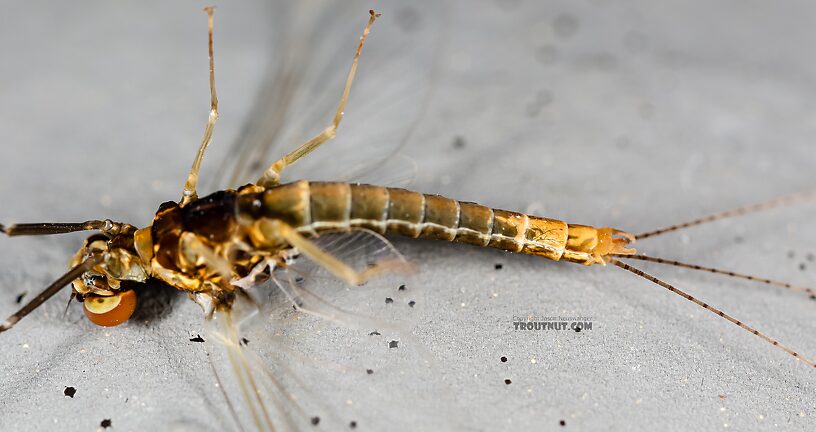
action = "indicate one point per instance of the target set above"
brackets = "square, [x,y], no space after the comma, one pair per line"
[323,206]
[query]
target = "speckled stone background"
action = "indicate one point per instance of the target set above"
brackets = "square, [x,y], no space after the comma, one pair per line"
[634,114]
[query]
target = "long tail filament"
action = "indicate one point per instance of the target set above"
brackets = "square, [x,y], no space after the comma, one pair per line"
[762,280]
[774,203]
[713,310]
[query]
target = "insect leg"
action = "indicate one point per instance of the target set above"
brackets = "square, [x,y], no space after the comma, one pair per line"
[107,227]
[52,289]
[195,252]
[190,193]
[278,229]
[271,177]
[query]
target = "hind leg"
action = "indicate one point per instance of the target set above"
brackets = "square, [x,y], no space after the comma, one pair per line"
[271,177]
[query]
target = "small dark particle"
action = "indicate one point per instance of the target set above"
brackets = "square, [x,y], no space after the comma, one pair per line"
[299,280]
[577,329]
[565,25]
[389,300]
[459,142]
[369,371]
[503,359]
[508,382]
[401,288]
[498,266]
[198,338]
[810,257]
[21,296]
[393,344]
[106,423]
[411,303]
[802,266]
[245,341]
[353,424]
[69,391]
[315,420]
[374,333]
[562,423]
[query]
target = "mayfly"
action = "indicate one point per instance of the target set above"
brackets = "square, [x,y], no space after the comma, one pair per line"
[216,247]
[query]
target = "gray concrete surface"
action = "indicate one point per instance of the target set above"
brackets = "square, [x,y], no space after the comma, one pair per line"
[632,114]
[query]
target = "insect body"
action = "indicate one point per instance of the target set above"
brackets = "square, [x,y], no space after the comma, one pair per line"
[202,246]
[206,246]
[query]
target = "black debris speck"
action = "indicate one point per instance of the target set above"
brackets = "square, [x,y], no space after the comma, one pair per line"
[562,423]
[401,288]
[106,423]
[374,333]
[69,391]
[369,371]
[498,266]
[315,420]
[459,142]
[245,341]
[393,344]
[577,329]
[810,257]
[299,280]
[353,424]
[508,382]
[198,338]
[389,300]
[411,303]
[802,266]
[21,296]
[503,359]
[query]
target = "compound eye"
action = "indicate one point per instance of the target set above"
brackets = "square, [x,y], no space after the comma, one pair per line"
[110,310]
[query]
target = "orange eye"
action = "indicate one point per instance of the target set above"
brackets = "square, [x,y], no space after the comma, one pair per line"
[112,310]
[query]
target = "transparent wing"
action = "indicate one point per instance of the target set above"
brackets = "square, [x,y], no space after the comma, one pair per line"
[305,80]
[308,349]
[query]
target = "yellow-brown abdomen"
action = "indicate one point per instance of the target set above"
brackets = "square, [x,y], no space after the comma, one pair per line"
[324,206]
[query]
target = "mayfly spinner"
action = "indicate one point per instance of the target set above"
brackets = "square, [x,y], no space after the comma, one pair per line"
[214,247]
